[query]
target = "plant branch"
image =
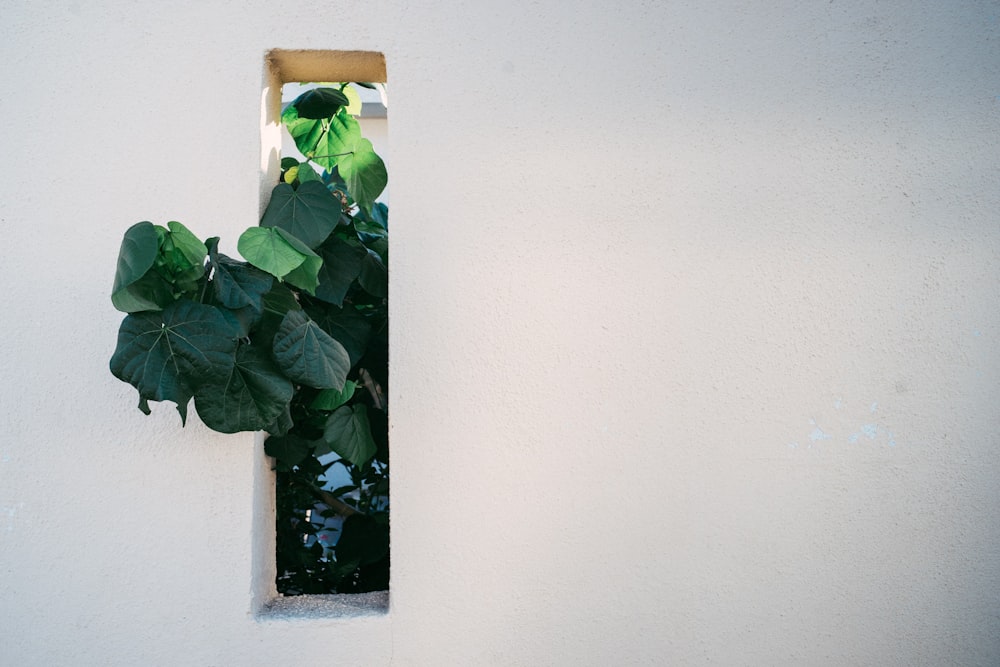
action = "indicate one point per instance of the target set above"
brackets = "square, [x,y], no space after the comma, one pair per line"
[378,396]
[335,503]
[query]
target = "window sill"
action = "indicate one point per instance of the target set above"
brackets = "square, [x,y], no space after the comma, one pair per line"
[355,605]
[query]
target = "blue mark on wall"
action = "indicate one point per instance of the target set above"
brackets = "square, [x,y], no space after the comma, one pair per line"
[848,429]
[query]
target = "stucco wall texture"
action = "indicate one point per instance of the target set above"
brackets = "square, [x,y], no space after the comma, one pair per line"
[694,337]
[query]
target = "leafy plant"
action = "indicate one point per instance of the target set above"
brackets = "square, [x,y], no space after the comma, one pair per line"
[292,341]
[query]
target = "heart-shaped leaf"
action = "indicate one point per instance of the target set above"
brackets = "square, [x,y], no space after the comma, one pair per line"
[320,102]
[309,213]
[337,143]
[363,540]
[348,434]
[237,285]
[365,174]
[289,450]
[349,327]
[136,288]
[342,262]
[276,251]
[374,277]
[331,399]
[308,355]
[252,395]
[167,355]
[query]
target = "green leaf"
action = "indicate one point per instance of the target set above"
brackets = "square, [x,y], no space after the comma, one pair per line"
[282,424]
[307,173]
[135,289]
[252,395]
[349,327]
[183,250]
[342,262]
[237,284]
[308,355]
[167,355]
[331,399]
[309,213]
[279,300]
[320,103]
[365,174]
[363,540]
[288,449]
[274,250]
[306,276]
[374,277]
[348,434]
[354,104]
[337,142]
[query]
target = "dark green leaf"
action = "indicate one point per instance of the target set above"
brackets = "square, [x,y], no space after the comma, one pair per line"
[134,290]
[279,300]
[349,327]
[238,284]
[290,450]
[363,540]
[373,277]
[320,103]
[252,395]
[342,263]
[242,319]
[308,355]
[348,434]
[309,213]
[167,355]
[282,424]
[308,173]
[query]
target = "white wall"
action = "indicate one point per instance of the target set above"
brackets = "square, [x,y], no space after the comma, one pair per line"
[654,266]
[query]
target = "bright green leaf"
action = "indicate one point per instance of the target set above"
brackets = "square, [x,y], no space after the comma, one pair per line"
[188,251]
[365,174]
[273,250]
[331,399]
[306,276]
[354,105]
[337,142]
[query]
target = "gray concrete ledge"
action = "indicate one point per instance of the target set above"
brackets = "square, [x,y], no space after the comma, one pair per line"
[325,606]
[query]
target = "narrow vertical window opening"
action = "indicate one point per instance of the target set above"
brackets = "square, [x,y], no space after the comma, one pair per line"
[323,482]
